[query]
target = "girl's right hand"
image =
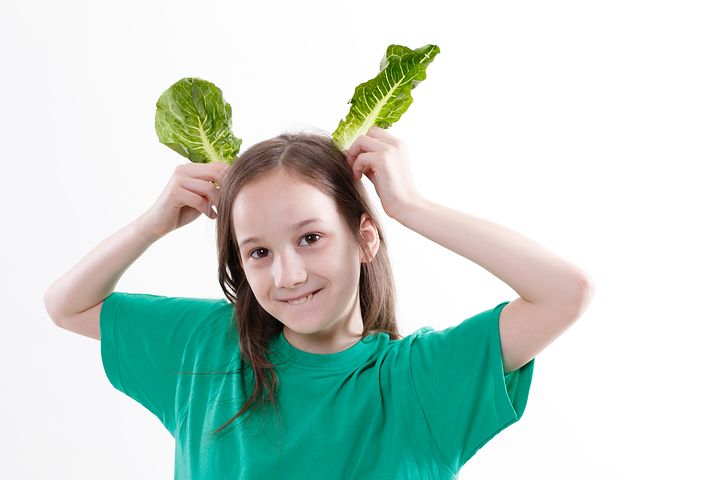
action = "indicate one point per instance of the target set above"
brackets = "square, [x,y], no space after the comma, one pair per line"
[189,193]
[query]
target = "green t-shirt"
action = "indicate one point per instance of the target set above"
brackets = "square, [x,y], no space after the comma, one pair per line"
[415,408]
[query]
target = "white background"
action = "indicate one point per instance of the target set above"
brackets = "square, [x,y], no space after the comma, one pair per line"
[591,128]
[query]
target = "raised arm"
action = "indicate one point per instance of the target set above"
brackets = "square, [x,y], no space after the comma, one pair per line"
[70,300]
[75,299]
[553,291]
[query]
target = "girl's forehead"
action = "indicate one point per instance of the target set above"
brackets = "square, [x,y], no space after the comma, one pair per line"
[284,211]
[287,202]
[280,188]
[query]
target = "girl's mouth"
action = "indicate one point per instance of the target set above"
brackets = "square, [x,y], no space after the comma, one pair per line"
[304,300]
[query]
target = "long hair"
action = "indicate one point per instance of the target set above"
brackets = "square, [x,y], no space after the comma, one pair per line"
[316,160]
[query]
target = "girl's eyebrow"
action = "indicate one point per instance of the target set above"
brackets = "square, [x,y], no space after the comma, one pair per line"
[293,227]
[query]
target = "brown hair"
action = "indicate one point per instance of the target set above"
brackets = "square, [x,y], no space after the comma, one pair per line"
[313,158]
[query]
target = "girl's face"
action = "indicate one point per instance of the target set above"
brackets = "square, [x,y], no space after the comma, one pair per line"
[288,256]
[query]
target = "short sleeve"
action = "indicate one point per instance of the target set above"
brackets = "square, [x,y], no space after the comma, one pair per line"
[142,340]
[464,394]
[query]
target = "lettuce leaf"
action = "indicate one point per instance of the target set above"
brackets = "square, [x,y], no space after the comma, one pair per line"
[382,100]
[193,119]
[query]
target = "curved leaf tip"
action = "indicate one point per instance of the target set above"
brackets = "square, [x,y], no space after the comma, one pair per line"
[193,119]
[382,100]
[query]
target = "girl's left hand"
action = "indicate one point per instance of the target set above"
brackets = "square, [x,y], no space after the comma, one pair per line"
[385,160]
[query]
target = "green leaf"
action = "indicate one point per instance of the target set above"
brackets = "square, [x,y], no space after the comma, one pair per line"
[193,119]
[382,100]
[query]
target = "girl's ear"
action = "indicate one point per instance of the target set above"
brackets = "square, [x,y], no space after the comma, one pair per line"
[370,236]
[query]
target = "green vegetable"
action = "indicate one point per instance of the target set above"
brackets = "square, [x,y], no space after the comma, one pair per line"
[382,100]
[193,119]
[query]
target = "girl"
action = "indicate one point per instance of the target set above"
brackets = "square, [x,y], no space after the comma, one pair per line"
[310,324]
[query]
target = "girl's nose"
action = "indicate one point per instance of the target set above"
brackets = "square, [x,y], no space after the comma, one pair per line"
[290,272]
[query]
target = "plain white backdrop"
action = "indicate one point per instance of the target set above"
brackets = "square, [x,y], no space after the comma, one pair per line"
[591,128]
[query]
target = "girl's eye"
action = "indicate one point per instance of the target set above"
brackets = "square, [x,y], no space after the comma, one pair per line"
[301,238]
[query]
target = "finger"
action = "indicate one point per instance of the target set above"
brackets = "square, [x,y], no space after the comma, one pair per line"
[198,202]
[200,187]
[386,137]
[225,169]
[222,166]
[363,143]
[205,171]
[365,163]
[382,134]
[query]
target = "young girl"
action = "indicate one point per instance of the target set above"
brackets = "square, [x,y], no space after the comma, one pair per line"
[310,325]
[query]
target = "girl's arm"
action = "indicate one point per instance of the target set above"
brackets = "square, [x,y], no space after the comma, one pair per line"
[538,275]
[94,277]
[188,194]
[553,292]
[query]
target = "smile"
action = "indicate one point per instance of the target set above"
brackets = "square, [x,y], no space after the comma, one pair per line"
[304,300]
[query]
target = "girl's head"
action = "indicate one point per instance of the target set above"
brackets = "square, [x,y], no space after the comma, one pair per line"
[269,190]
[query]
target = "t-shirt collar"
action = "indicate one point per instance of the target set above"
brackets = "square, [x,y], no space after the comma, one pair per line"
[285,355]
